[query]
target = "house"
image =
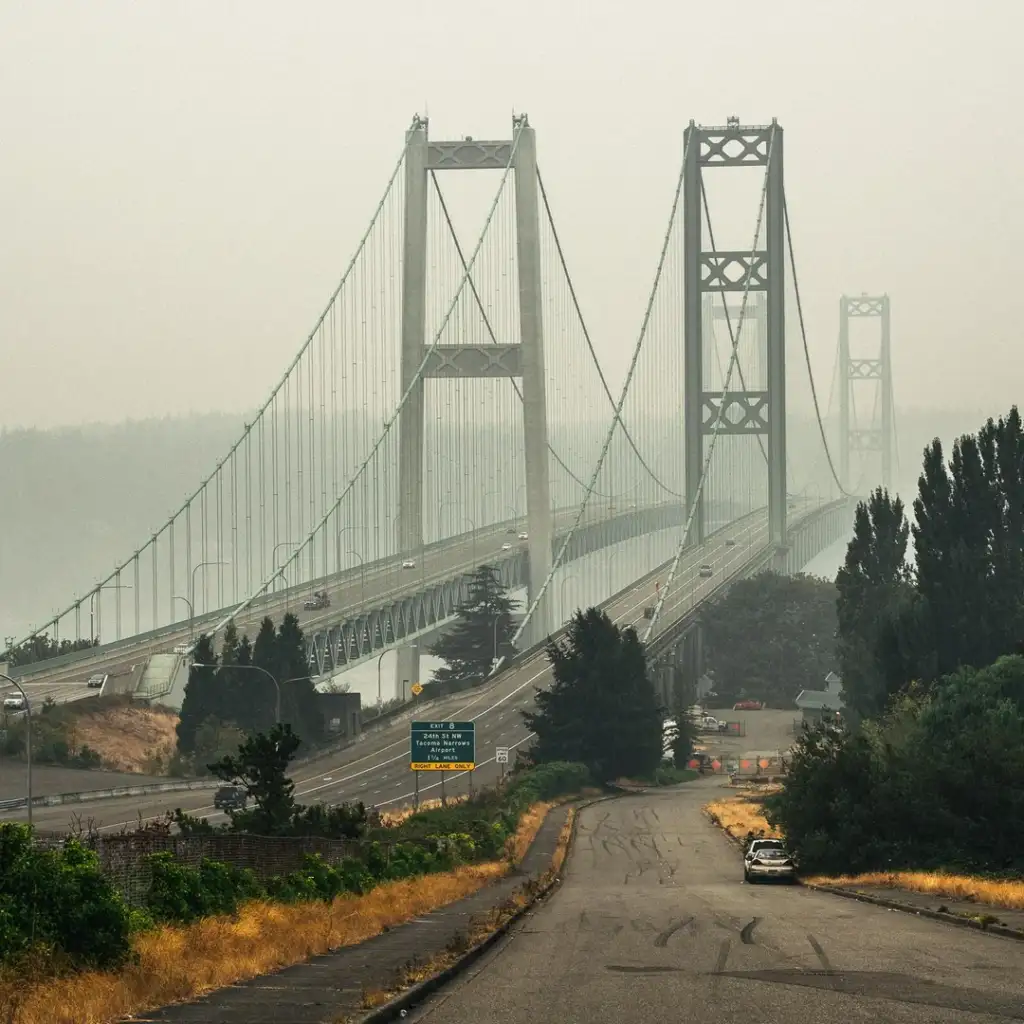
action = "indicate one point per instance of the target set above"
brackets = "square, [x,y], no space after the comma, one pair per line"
[816,705]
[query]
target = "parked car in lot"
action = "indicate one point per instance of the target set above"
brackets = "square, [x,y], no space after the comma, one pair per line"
[747,705]
[230,798]
[768,859]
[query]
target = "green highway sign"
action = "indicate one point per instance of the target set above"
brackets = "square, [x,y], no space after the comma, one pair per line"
[442,747]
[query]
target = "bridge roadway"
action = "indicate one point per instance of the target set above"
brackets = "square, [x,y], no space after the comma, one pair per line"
[653,922]
[375,769]
[351,591]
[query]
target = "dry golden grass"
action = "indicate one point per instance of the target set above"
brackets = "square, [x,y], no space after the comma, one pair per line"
[737,815]
[396,817]
[1008,894]
[478,930]
[178,963]
[130,738]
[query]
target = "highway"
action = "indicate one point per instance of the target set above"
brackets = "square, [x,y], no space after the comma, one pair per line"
[653,922]
[375,769]
[349,592]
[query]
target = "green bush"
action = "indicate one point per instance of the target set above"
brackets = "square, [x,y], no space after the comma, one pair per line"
[939,782]
[58,902]
[183,894]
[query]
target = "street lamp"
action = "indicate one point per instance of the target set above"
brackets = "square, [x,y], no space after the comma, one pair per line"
[191,615]
[380,699]
[362,575]
[28,737]
[192,587]
[263,671]
[92,603]
[273,556]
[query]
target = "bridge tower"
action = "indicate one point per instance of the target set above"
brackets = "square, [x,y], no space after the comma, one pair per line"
[748,411]
[524,358]
[878,437]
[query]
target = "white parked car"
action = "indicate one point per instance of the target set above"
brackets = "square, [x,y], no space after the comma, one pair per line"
[768,858]
[409,563]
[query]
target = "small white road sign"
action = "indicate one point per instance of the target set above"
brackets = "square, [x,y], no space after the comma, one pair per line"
[501,755]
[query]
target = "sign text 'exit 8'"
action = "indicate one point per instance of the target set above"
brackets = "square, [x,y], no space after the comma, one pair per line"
[442,746]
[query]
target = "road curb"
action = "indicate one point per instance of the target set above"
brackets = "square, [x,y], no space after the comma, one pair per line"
[908,908]
[881,901]
[422,990]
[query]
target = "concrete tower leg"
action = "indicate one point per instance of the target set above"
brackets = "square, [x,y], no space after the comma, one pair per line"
[531,328]
[414,307]
[776,245]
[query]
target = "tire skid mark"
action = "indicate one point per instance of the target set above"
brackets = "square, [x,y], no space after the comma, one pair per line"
[662,940]
[747,934]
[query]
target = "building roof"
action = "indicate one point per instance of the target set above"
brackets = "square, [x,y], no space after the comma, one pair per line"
[819,700]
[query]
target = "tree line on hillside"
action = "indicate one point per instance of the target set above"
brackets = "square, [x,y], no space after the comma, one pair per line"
[42,648]
[228,697]
[929,768]
[769,637]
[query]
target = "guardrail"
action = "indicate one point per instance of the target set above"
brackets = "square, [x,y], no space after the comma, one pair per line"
[374,726]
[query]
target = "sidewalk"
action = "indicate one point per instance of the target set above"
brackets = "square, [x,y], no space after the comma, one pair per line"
[1004,916]
[327,987]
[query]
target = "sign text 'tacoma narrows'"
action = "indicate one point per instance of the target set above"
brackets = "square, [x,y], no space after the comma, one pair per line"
[442,747]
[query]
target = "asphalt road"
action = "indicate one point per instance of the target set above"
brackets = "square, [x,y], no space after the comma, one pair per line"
[350,591]
[653,922]
[376,769]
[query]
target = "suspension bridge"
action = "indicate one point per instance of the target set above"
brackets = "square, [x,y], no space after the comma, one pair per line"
[448,410]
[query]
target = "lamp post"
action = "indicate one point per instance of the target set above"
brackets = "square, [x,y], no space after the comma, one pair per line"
[28,739]
[192,589]
[262,671]
[380,698]
[362,575]
[191,615]
[273,556]
[92,603]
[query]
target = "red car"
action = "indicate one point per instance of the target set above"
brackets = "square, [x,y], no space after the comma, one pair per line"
[747,705]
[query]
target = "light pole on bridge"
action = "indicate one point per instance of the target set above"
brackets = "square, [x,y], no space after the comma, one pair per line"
[28,738]
[92,605]
[192,591]
[262,671]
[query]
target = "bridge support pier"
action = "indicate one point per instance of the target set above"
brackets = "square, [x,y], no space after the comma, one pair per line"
[873,438]
[486,358]
[407,671]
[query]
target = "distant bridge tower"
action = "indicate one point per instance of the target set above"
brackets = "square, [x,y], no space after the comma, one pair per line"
[524,359]
[878,436]
[750,410]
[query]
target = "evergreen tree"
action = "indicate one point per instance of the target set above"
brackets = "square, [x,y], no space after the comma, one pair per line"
[261,766]
[299,701]
[873,587]
[601,709]
[482,634]
[771,636]
[202,697]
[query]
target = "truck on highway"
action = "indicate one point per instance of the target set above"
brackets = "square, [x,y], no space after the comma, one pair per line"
[320,599]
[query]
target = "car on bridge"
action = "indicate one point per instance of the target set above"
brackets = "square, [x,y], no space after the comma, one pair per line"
[14,703]
[524,536]
[706,572]
[320,599]
[506,547]
[96,682]
[409,563]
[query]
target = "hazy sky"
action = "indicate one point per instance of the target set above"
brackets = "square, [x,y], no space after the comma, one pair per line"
[181,183]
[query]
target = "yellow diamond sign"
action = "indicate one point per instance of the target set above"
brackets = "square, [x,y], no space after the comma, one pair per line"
[417,689]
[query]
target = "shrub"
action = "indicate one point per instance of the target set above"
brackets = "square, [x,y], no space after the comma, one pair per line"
[57,901]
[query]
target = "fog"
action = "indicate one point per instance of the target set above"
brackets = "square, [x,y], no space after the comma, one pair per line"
[183,184]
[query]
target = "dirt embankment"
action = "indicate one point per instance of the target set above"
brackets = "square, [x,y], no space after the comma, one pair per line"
[130,738]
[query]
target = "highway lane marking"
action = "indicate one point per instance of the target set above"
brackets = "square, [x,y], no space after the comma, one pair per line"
[755,529]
